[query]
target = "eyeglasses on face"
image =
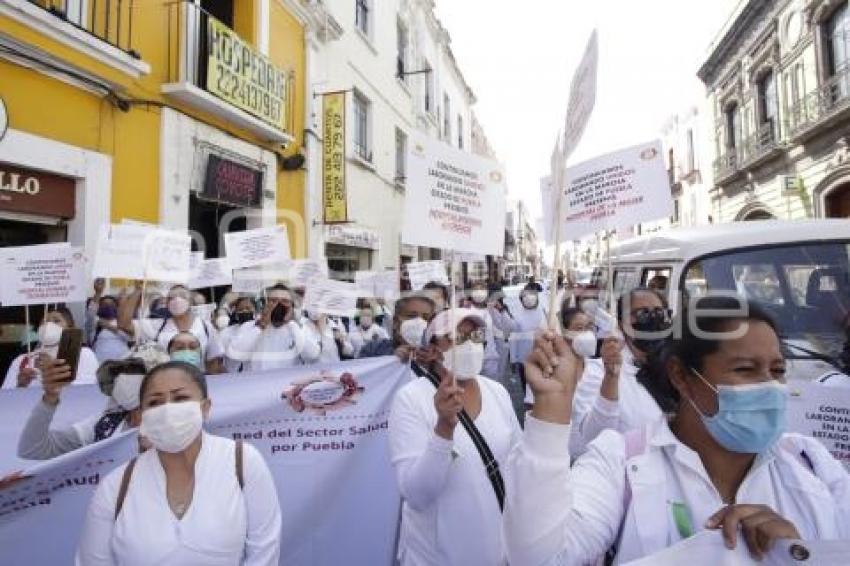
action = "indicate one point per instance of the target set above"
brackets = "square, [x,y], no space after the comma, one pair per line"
[647,314]
[476,336]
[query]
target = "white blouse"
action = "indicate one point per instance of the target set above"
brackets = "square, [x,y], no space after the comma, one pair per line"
[86,368]
[450,514]
[561,514]
[224,524]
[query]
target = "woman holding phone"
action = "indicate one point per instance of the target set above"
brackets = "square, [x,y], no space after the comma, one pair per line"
[194,498]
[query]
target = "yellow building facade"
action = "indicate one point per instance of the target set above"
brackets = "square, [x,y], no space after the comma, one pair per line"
[183,113]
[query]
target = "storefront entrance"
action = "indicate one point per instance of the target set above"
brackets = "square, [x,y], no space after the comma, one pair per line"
[838,202]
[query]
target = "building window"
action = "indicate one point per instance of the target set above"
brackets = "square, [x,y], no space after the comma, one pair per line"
[838,40]
[362,15]
[675,218]
[447,118]
[733,126]
[362,108]
[689,138]
[428,95]
[400,157]
[460,132]
[768,109]
[402,44]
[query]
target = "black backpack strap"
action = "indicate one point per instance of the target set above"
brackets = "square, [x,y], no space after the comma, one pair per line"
[240,477]
[125,484]
[491,465]
[158,332]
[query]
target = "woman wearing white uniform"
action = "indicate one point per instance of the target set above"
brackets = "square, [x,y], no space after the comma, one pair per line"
[328,335]
[193,499]
[494,318]
[23,371]
[451,514]
[722,463]
[366,330]
[614,398]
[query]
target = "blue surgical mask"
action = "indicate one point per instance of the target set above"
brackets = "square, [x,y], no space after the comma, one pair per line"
[750,418]
[189,356]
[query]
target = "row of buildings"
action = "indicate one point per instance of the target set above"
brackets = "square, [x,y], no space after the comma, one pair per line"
[771,139]
[207,116]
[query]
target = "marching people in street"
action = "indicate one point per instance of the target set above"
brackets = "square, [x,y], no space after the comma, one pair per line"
[451,510]
[179,318]
[722,462]
[494,316]
[411,315]
[193,498]
[528,322]
[366,330]
[24,369]
[275,340]
[119,381]
[102,333]
[330,337]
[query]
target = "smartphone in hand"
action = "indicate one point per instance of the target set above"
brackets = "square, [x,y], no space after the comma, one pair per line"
[70,346]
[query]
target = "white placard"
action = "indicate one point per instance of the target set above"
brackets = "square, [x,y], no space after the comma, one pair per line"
[262,246]
[120,252]
[326,296]
[211,273]
[616,190]
[454,200]
[423,272]
[582,96]
[167,256]
[822,412]
[303,271]
[36,275]
[248,281]
[378,284]
[705,548]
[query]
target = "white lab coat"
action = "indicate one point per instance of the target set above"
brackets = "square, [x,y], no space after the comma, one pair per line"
[328,351]
[360,337]
[261,349]
[224,525]
[86,368]
[527,323]
[450,514]
[162,331]
[556,514]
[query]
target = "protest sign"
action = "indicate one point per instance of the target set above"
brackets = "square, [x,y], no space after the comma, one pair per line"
[322,431]
[823,413]
[302,271]
[120,251]
[211,273]
[378,284]
[257,247]
[423,272]
[582,96]
[36,275]
[167,256]
[336,298]
[454,200]
[616,190]
[705,548]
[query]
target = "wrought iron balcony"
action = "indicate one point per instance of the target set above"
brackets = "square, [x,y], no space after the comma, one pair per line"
[760,144]
[726,166]
[818,106]
[107,20]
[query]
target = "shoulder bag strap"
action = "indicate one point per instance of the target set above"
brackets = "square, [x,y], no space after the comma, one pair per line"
[125,484]
[491,465]
[239,467]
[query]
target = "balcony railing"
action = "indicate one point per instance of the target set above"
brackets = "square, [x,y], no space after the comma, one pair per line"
[727,164]
[816,107]
[107,20]
[761,144]
[212,68]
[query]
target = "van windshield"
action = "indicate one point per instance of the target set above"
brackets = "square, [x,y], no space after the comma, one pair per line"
[805,286]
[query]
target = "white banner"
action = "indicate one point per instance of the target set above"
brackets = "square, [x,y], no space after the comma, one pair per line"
[822,412]
[167,256]
[616,190]
[423,272]
[454,201]
[378,284]
[39,275]
[582,96]
[257,247]
[322,431]
[336,298]
[120,251]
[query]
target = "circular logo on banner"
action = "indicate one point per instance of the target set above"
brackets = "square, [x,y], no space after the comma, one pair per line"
[4,119]
[322,393]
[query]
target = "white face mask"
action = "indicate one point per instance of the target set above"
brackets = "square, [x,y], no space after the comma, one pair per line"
[173,426]
[413,330]
[529,301]
[222,322]
[125,390]
[464,361]
[49,334]
[479,295]
[178,306]
[584,343]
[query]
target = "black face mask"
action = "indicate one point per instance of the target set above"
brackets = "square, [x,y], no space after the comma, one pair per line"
[278,315]
[242,317]
[650,320]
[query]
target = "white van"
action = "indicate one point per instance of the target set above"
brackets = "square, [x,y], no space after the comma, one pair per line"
[798,270]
